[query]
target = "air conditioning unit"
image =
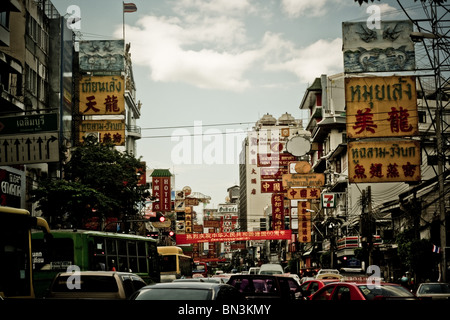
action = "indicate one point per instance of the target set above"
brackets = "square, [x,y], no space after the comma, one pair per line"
[92,136]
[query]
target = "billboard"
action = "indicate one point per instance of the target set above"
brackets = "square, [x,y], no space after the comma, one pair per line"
[102,95]
[381,107]
[387,48]
[102,55]
[384,161]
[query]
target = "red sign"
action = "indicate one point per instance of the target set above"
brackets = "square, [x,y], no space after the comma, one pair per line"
[278,211]
[272,186]
[161,191]
[233,236]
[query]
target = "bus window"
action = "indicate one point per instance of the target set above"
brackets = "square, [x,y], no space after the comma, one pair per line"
[14,248]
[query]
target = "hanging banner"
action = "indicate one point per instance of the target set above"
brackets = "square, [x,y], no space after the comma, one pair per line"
[233,236]
[381,107]
[384,161]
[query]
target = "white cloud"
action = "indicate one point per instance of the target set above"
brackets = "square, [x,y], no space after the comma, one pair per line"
[297,8]
[213,51]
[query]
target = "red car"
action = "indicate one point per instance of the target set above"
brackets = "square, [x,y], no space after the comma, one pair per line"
[346,291]
[311,286]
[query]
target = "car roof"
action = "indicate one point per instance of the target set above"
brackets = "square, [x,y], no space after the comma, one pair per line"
[97,273]
[187,284]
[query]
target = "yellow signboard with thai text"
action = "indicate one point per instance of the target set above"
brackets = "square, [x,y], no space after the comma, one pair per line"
[384,161]
[381,107]
[105,131]
[102,95]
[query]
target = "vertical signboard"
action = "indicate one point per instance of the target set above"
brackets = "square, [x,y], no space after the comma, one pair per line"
[161,191]
[304,221]
[278,211]
[381,107]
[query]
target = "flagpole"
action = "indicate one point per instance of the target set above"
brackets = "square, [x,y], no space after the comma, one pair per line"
[123,23]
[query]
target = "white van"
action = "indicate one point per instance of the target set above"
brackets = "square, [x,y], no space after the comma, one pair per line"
[253,270]
[271,268]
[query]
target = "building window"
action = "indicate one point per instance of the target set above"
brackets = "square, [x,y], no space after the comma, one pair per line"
[4,19]
[422,116]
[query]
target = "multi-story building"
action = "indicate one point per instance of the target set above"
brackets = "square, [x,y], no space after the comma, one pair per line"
[36,91]
[263,161]
[386,203]
[39,96]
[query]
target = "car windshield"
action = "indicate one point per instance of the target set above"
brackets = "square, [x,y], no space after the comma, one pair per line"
[389,291]
[174,294]
[86,284]
[434,288]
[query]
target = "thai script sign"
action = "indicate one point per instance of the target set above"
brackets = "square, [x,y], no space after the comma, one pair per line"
[275,159]
[388,48]
[233,236]
[29,123]
[292,180]
[384,161]
[102,95]
[109,131]
[381,107]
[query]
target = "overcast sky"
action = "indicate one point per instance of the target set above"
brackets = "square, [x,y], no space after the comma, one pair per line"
[216,67]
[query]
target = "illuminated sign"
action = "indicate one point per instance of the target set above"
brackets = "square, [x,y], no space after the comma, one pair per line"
[233,236]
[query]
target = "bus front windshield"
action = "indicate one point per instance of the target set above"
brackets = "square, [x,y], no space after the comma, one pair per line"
[14,257]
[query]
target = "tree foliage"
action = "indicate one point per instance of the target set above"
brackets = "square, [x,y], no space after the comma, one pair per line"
[99,181]
[416,254]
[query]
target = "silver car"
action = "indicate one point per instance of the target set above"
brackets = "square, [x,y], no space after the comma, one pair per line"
[433,290]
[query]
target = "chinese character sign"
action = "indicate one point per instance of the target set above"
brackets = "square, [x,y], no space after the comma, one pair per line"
[102,95]
[161,191]
[303,193]
[110,131]
[304,221]
[384,161]
[278,211]
[381,107]
[233,236]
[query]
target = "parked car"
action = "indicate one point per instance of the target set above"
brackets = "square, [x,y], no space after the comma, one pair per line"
[210,279]
[254,270]
[271,268]
[434,291]
[346,291]
[262,286]
[94,285]
[310,287]
[193,290]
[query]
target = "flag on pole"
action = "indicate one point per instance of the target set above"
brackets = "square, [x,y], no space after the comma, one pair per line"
[129,7]
[436,249]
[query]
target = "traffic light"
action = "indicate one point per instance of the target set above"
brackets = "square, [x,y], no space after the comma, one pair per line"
[158,218]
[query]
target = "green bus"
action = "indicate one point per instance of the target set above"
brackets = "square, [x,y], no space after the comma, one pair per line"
[91,251]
